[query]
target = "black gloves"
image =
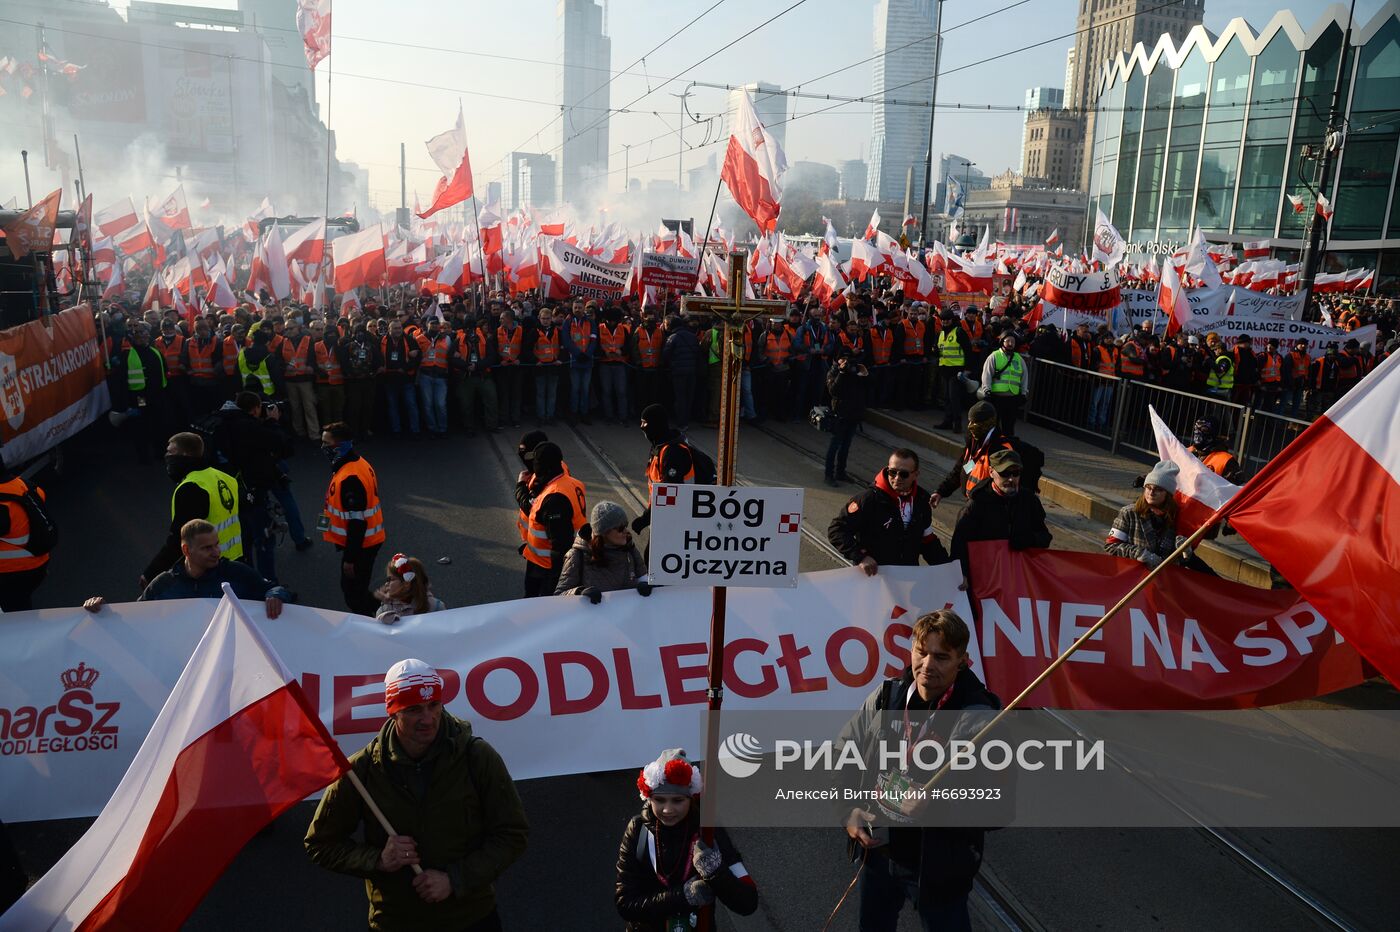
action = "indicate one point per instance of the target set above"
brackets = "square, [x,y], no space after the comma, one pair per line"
[640,522]
[592,593]
[644,588]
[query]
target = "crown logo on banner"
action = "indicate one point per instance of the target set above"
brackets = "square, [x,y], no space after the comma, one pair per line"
[80,677]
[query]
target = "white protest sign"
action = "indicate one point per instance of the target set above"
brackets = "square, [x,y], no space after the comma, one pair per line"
[668,270]
[714,535]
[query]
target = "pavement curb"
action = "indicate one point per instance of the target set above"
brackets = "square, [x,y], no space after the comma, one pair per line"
[1227,563]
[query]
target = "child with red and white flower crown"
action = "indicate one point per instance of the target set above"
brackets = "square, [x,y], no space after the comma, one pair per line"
[665,871]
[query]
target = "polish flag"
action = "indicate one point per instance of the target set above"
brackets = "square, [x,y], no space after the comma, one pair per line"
[1341,549]
[314,24]
[1296,201]
[359,259]
[829,281]
[865,260]
[1053,239]
[1364,280]
[1324,207]
[269,269]
[784,271]
[1171,298]
[873,226]
[829,241]
[235,746]
[173,211]
[114,287]
[308,244]
[1257,249]
[251,225]
[116,218]
[449,152]
[1199,492]
[754,166]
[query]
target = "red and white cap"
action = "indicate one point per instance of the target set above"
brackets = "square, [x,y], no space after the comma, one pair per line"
[410,682]
[671,774]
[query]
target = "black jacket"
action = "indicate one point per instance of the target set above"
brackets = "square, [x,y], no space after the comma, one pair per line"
[680,354]
[871,525]
[644,901]
[254,447]
[1019,519]
[947,859]
[848,389]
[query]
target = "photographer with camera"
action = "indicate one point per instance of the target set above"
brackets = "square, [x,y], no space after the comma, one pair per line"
[846,383]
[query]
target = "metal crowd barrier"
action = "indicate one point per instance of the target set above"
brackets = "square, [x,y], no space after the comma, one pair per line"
[1072,400]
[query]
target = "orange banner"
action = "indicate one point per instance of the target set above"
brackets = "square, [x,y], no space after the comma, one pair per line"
[52,382]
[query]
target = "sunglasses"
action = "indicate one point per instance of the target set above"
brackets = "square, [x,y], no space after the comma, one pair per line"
[898,473]
[1010,474]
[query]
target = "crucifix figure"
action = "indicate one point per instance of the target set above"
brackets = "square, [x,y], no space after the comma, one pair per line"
[733,313]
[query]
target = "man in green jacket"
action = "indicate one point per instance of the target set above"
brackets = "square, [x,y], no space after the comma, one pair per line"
[447,795]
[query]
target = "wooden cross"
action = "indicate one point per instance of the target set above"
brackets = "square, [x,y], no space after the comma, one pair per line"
[733,312]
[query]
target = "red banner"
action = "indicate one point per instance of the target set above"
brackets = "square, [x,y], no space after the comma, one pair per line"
[52,382]
[1188,641]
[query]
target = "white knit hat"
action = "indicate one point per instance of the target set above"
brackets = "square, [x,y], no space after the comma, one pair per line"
[410,682]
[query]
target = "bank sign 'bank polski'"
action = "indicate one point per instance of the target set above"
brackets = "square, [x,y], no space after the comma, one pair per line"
[714,535]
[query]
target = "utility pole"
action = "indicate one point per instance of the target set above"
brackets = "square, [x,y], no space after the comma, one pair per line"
[1314,250]
[932,107]
[680,132]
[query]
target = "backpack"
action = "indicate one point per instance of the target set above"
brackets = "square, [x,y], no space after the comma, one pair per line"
[43,532]
[1032,463]
[214,432]
[705,471]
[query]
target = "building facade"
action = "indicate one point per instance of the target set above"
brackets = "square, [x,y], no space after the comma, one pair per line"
[905,60]
[1216,133]
[1038,98]
[530,182]
[1023,210]
[585,57]
[854,173]
[1108,27]
[814,180]
[1053,147]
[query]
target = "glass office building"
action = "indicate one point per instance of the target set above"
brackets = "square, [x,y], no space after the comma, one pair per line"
[1212,134]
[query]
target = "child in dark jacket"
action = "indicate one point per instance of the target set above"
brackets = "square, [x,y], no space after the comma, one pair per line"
[665,871]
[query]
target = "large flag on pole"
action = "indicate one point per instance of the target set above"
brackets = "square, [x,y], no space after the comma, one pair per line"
[449,152]
[34,228]
[235,746]
[1326,513]
[1199,492]
[314,24]
[754,166]
[1171,298]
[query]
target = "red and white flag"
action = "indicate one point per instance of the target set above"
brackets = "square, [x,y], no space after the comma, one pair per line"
[308,244]
[754,166]
[359,259]
[1296,201]
[1053,239]
[269,269]
[829,282]
[829,243]
[114,287]
[116,218]
[1340,549]
[1324,207]
[1171,298]
[873,226]
[1199,492]
[314,24]
[173,211]
[865,260]
[1257,249]
[449,153]
[235,745]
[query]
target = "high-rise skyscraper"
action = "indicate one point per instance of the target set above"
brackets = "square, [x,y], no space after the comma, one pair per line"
[768,102]
[899,134]
[854,173]
[585,57]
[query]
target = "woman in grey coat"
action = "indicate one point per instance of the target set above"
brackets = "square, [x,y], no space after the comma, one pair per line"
[603,557]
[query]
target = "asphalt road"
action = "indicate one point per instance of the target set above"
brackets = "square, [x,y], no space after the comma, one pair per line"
[453,499]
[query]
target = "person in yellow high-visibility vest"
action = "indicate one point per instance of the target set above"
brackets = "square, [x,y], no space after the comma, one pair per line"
[1005,382]
[201,492]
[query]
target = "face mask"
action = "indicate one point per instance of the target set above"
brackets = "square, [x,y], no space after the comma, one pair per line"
[336,451]
[178,466]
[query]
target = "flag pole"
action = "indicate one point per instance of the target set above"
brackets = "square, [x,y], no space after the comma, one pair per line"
[700,263]
[378,813]
[1083,639]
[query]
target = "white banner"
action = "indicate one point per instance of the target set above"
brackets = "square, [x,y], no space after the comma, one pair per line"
[557,685]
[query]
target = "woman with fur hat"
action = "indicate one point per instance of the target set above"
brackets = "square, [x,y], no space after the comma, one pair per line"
[665,871]
[603,558]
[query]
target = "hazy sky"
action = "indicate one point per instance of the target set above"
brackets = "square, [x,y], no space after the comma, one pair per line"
[386,92]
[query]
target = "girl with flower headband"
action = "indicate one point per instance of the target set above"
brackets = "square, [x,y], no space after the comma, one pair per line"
[665,871]
[406,591]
